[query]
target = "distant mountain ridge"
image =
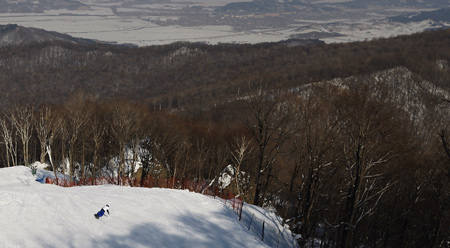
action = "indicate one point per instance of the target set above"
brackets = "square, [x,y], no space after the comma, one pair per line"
[406,3]
[266,6]
[12,34]
[30,6]
[440,15]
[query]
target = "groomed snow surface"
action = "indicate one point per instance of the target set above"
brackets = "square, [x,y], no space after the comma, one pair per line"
[33,214]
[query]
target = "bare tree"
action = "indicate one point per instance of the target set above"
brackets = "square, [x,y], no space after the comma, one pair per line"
[77,112]
[138,135]
[123,118]
[268,127]
[241,148]
[45,124]
[370,128]
[22,119]
[163,144]
[179,154]
[202,151]
[7,134]
[63,137]
[312,152]
[99,127]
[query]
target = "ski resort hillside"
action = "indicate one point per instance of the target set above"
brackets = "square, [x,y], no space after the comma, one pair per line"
[45,215]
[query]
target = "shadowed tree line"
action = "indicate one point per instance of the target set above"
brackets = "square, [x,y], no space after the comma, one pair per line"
[344,165]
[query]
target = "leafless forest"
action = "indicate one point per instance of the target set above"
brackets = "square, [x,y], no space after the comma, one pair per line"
[349,142]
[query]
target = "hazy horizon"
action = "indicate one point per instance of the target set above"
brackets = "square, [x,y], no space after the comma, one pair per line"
[213,21]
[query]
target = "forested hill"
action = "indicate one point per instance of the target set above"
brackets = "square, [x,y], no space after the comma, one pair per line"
[13,34]
[350,143]
[188,75]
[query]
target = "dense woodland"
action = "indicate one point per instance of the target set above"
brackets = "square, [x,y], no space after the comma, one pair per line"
[343,161]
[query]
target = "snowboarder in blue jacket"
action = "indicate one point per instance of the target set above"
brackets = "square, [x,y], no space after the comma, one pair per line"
[102,211]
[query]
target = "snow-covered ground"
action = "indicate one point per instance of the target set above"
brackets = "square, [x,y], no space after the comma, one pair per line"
[113,29]
[44,215]
[101,23]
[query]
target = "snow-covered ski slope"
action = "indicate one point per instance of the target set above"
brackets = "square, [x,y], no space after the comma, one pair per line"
[43,215]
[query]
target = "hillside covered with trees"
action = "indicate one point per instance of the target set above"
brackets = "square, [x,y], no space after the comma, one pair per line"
[349,142]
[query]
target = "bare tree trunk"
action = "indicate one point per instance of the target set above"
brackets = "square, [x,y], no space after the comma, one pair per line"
[22,119]
[241,149]
[6,134]
[49,152]
[268,127]
[136,141]
[71,159]
[83,160]
[78,110]
[45,125]
[121,163]
[202,152]
[63,155]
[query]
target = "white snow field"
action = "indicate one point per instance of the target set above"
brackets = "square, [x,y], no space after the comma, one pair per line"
[137,23]
[33,214]
[112,29]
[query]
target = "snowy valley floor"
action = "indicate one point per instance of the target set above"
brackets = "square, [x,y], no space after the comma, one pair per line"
[44,215]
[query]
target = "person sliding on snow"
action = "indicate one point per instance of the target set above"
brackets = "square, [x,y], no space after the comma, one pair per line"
[102,211]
